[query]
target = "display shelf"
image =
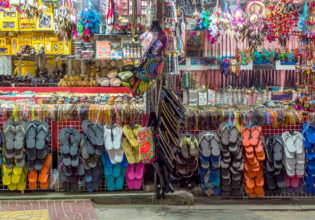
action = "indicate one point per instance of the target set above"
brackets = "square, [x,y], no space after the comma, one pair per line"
[112,90]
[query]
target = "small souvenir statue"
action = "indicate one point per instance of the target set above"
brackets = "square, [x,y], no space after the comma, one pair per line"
[90,20]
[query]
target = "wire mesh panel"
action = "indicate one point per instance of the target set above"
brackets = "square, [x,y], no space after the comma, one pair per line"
[266,130]
[77,125]
[50,143]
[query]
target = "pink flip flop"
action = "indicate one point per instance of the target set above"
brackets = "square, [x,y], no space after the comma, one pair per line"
[295,182]
[140,170]
[134,184]
[131,174]
[287,181]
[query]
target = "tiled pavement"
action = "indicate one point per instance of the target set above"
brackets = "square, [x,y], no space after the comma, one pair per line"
[48,210]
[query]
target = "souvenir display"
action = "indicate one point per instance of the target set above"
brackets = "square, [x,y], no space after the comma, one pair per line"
[194,94]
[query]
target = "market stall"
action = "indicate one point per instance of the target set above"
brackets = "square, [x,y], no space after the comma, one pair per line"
[123,94]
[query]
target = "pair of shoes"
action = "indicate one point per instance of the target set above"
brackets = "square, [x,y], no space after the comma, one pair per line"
[42,176]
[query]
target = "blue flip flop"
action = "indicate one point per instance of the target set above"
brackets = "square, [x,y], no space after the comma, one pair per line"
[310,133]
[308,189]
[123,171]
[120,183]
[216,191]
[116,170]
[110,183]
[124,162]
[107,160]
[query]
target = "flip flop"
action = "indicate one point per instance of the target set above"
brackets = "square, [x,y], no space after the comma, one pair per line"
[20,162]
[21,186]
[32,179]
[289,142]
[84,152]
[184,147]
[9,135]
[39,164]
[130,136]
[116,170]
[128,151]
[310,133]
[110,183]
[205,147]
[40,154]
[140,170]
[255,134]
[193,148]
[42,135]
[64,141]
[89,131]
[90,148]
[215,146]
[246,136]
[234,135]
[19,137]
[19,154]
[117,134]
[225,135]
[99,131]
[74,143]
[44,172]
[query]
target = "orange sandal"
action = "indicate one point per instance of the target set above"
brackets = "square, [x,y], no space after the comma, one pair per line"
[32,180]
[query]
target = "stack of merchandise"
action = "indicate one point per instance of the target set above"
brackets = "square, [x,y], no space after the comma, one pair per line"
[274,172]
[42,176]
[294,160]
[71,167]
[171,121]
[37,148]
[13,169]
[308,132]
[134,176]
[254,157]
[187,159]
[209,166]
[139,147]
[92,148]
[114,173]
[114,161]
[231,160]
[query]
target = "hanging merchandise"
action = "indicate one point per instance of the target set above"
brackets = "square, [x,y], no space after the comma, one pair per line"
[210,160]
[253,31]
[281,21]
[90,20]
[238,20]
[35,9]
[66,20]
[294,160]
[109,16]
[215,28]
[252,140]
[274,171]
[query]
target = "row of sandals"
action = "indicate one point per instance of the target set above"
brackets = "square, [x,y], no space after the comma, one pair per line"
[236,160]
[102,151]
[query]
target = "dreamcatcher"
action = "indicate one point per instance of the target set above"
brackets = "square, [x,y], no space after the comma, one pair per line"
[215,28]
[238,21]
[66,21]
[254,25]
[34,10]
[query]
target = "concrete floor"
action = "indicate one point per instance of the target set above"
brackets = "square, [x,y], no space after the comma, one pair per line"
[230,212]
